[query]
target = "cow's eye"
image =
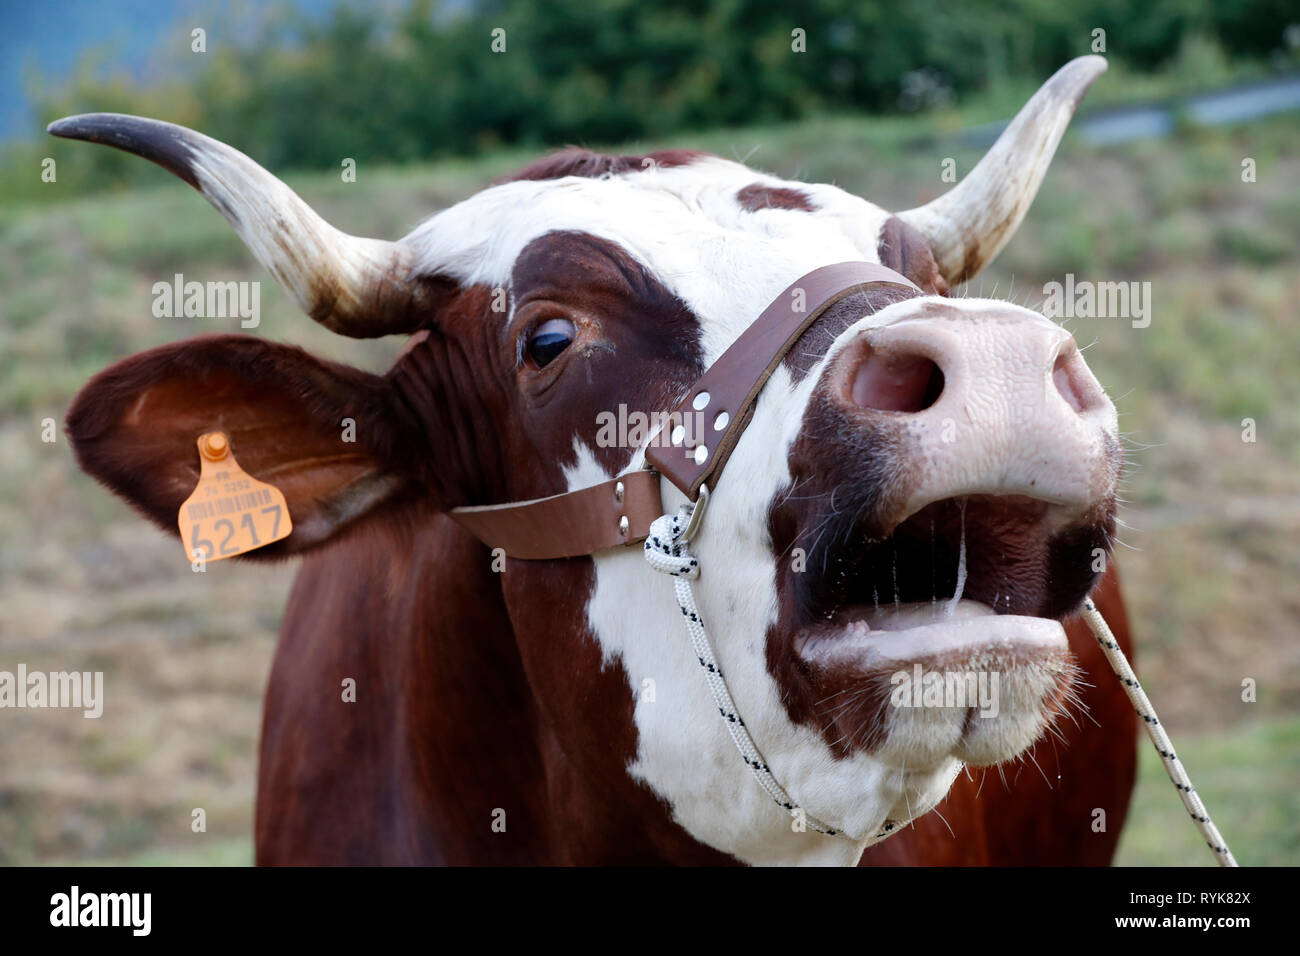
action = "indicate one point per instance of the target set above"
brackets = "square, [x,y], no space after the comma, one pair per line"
[549,339]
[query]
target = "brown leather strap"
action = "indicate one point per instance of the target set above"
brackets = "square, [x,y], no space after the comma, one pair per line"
[619,511]
[568,525]
[732,383]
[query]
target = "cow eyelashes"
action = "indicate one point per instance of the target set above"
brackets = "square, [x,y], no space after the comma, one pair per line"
[547,340]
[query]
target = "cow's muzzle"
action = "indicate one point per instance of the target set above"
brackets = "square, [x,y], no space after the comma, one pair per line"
[996,402]
[960,466]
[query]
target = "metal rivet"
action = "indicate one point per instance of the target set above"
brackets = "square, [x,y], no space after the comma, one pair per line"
[721,421]
[623,525]
[701,454]
[618,491]
[701,401]
[679,434]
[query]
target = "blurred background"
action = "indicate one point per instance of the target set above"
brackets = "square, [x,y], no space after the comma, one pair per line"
[1147,187]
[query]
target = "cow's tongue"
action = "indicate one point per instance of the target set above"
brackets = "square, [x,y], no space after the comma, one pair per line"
[900,617]
[906,632]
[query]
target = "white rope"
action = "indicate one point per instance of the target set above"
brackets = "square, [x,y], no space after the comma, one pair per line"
[667,554]
[1164,746]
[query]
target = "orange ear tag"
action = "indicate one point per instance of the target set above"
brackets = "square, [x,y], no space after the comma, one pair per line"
[230,511]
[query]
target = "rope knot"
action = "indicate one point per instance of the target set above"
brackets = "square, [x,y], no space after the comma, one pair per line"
[664,550]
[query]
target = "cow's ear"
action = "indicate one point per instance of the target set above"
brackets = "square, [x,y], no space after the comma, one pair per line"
[903,249]
[330,437]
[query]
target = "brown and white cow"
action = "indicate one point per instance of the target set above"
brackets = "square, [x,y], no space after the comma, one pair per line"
[907,446]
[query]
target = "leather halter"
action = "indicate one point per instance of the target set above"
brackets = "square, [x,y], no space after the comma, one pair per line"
[619,511]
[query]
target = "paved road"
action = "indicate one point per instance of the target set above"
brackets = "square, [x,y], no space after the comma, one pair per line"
[1128,123]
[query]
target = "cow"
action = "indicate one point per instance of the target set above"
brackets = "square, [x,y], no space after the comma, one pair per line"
[927,484]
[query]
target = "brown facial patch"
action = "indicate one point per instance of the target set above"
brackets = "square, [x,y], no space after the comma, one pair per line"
[584,162]
[756,196]
[905,250]
[494,430]
[636,345]
[499,430]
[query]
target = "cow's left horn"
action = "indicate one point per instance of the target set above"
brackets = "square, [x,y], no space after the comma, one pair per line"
[968,225]
[355,286]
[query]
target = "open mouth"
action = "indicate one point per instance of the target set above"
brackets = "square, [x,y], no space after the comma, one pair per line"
[948,568]
[974,586]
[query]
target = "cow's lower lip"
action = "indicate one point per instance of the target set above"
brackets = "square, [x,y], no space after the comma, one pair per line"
[932,630]
[917,684]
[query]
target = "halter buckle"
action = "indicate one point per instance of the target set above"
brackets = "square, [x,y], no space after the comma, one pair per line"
[697,513]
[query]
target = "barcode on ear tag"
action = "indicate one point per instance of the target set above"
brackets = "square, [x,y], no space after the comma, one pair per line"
[230,511]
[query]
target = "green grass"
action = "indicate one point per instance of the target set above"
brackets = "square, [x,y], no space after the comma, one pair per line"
[1247,779]
[205,851]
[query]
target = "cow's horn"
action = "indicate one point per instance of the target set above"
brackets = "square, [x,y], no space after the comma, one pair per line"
[968,225]
[354,286]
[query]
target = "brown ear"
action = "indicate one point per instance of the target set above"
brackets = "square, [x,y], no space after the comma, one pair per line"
[134,428]
[903,249]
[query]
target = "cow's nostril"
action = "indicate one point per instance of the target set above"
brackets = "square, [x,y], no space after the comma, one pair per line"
[891,381]
[1074,383]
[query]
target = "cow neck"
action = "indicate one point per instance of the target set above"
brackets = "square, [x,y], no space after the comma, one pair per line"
[619,512]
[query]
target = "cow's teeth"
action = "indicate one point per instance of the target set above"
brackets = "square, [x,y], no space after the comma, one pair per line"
[900,617]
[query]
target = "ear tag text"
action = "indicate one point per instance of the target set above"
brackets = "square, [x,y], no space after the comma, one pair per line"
[230,511]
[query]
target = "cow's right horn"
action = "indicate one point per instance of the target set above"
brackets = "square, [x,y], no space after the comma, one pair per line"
[969,224]
[355,286]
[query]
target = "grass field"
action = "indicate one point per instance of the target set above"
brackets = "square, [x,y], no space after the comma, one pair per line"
[1212,520]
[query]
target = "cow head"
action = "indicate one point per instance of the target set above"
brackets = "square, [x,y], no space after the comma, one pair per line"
[924,481]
